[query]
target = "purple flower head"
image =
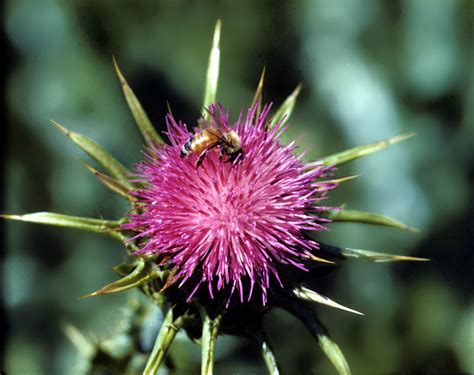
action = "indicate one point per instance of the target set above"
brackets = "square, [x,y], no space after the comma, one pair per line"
[232,223]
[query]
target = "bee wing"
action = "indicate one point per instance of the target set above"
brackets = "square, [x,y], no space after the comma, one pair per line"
[216,132]
[203,123]
[210,124]
[214,125]
[222,119]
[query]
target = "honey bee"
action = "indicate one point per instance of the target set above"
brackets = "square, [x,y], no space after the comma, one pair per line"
[211,137]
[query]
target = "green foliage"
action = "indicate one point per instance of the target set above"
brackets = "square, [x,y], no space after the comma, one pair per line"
[108,227]
[144,125]
[357,152]
[283,114]
[143,273]
[212,76]
[97,152]
[363,217]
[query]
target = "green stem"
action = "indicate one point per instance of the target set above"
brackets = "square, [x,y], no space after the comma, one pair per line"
[168,331]
[210,328]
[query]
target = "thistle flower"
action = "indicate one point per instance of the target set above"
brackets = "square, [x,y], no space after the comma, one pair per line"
[200,231]
[232,223]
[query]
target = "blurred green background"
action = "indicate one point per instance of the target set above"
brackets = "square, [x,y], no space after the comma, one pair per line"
[370,70]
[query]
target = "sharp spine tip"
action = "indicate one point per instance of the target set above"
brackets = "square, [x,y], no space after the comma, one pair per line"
[401,137]
[93,294]
[10,217]
[61,128]
[119,72]
[297,90]
[217,34]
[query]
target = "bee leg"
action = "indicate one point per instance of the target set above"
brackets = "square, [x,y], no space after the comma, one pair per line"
[221,155]
[201,157]
[236,156]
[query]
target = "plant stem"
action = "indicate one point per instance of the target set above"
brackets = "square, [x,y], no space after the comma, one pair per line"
[210,328]
[167,333]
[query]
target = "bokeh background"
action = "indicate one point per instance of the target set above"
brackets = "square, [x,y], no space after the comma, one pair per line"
[370,70]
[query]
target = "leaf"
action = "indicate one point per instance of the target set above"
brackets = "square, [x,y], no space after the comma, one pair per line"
[379,257]
[110,182]
[143,273]
[321,334]
[283,113]
[212,76]
[108,227]
[366,255]
[340,180]
[257,99]
[267,352]
[96,152]
[124,269]
[312,296]
[334,353]
[210,329]
[358,152]
[143,122]
[165,337]
[324,185]
[318,259]
[366,218]
[254,331]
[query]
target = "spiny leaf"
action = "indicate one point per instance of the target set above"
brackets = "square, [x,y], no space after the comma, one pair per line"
[96,152]
[358,152]
[340,180]
[379,257]
[124,269]
[108,227]
[167,333]
[323,185]
[212,75]
[210,329]
[312,296]
[267,352]
[150,290]
[254,331]
[144,124]
[321,334]
[371,256]
[143,273]
[110,182]
[318,259]
[284,112]
[257,99]
[366,218]
[334,353]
